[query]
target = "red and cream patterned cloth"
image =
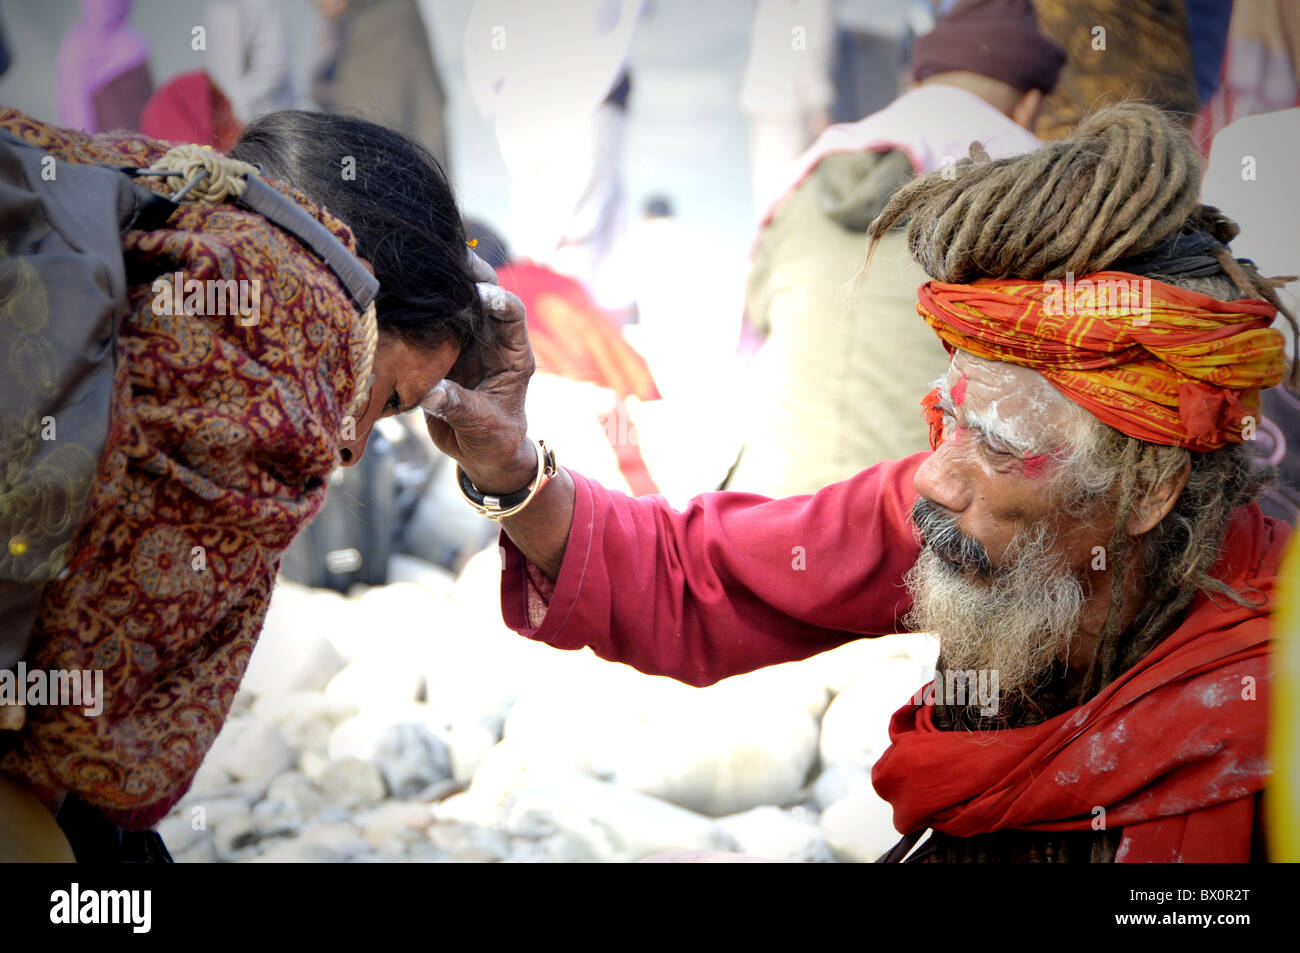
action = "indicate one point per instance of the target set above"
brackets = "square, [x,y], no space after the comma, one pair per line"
[220,441]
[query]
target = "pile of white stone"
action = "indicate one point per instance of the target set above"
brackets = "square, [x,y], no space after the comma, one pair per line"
[408,724]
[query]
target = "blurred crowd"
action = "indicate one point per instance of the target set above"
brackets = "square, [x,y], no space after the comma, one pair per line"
[801,365]
[845,101]
[664,366]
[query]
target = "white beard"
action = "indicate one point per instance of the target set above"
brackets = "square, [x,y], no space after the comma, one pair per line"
[1015,623]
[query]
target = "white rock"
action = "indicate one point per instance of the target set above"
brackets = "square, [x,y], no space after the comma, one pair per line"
[467,843]
[400,618]
[476,667]
[838,782]
[312,764]
[593,821]
[843,665]
[250,751]
[360,735]
[396,823]
[200,852]
[372,680]
[294,651]
[773,834]
[412,569]
[298,852]
[468,808]
[468,742]
[716,752]
[209,781]
[350,783]
[411,757]
[234,837]
[305,719]
[291,800]
[797,684]
[855,729]
[860,827]
[341,837]
[510,765]
[205,813]
[180,834]
[443,529]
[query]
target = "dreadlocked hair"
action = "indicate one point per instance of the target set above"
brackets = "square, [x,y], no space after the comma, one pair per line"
[1127,180]
[1175,558]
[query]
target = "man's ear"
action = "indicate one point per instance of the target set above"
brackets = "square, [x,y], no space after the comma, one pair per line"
[1025,111]
[1155,506]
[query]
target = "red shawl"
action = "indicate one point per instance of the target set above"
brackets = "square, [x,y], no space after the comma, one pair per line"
[1173,751]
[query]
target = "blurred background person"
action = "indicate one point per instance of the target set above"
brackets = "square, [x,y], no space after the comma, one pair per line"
[869,65]
[844,354]
[1118,51]
[248,55]
[555,84]
[190,107]
[103,69]
[1260,65]
[786,91]
[375,60]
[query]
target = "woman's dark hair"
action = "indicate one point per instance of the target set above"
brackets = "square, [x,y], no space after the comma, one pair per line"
[394,196]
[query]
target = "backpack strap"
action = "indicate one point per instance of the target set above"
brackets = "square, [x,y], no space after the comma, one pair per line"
[198,174]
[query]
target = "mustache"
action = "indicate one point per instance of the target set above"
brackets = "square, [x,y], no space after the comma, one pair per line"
[939,534]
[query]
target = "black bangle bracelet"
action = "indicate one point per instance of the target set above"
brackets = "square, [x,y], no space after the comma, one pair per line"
[500,507]
[505,502]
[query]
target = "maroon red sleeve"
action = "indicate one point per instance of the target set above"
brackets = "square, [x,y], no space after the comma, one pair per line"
[731,583]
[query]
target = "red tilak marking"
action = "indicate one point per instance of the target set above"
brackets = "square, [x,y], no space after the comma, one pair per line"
[959,391]
[1035,465]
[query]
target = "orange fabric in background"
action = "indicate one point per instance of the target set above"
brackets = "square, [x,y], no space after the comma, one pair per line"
[573,338]
[1165,365]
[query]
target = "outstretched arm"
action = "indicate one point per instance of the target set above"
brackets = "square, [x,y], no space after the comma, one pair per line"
[729,584]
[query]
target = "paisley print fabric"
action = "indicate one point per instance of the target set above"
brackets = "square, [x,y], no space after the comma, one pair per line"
[221,437]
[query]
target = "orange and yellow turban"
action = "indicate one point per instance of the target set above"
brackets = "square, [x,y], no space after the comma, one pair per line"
[1153,361]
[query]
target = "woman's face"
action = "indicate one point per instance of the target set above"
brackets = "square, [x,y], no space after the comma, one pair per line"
[403,375]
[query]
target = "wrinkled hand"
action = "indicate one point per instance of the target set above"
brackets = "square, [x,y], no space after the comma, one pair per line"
[476,415]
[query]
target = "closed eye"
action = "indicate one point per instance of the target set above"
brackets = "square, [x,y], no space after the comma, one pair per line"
[997,447]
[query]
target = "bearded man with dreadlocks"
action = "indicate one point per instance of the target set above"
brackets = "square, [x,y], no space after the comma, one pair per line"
[1083,532]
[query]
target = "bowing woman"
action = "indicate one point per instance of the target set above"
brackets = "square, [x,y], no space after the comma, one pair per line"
[219,433]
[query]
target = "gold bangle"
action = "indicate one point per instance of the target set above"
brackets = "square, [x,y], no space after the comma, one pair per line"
[497,508]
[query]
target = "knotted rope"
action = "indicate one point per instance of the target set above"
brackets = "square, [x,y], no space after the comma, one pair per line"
[202,175]
[198,174]
[366,365]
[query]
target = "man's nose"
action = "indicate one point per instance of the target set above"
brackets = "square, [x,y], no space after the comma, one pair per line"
[940,479]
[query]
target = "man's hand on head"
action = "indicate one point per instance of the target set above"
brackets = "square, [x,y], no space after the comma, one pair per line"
[476,414]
